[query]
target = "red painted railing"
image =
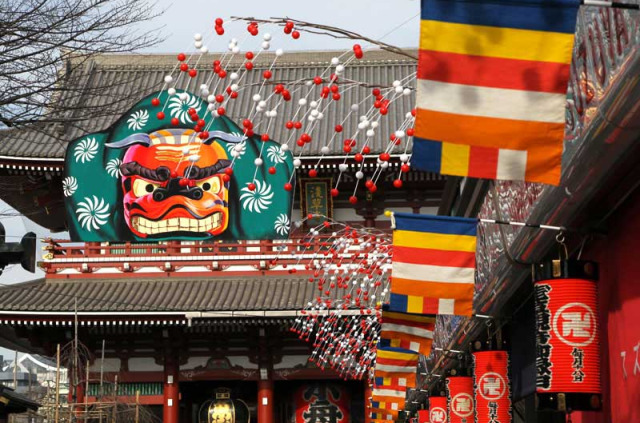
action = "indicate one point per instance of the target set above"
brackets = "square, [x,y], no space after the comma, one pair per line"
[80,259]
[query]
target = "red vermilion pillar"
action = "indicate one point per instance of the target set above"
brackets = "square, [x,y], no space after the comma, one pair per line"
[368,393]
[80,400]
[171,405]
[265,401]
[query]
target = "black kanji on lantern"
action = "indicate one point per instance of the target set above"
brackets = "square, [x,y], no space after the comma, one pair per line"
[321,410]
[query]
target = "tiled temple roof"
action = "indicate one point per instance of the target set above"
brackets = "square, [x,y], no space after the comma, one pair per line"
[134,76]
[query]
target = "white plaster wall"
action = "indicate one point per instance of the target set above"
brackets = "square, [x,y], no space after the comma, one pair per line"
[144,364]
[110,365]
[349,215]
[290,361]
[242,361]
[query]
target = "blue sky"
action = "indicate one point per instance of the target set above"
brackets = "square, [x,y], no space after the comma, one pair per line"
[373,18]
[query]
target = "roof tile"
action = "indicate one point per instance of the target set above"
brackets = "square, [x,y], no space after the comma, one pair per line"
[162,294]
[143,74]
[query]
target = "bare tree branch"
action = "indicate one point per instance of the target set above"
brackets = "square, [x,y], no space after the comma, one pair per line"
[46,52]
[330,31]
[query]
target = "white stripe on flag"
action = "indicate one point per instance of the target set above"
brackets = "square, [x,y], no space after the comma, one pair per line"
[512,164]
[411,330]
[498,103]
[429,273]
[446,306]
[399,369]
[389,393]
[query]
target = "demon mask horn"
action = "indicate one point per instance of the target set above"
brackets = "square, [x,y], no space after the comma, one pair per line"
[135,139]
[145,139]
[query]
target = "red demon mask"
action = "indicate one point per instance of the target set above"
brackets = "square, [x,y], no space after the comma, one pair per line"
[173,185]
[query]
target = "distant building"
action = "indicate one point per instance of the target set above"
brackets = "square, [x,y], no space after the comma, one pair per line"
[12,402]
[35,379]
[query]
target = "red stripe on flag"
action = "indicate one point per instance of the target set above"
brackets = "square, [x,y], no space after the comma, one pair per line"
[430,257]
[493,72]
[395,362]
[483,162]
[430,305]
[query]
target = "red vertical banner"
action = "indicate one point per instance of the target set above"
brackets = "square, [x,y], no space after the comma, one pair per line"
[460,399]
[438,410]
[492,387]
[322,402]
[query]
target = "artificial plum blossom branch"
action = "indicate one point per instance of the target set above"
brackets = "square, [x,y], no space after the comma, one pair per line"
[330,31]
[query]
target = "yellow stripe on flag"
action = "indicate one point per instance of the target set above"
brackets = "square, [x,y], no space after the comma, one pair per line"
[492,41]
[414,304]
[397,355]
[455,159]
[433,241]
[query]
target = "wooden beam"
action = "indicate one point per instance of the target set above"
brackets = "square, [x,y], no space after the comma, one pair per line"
[449,195]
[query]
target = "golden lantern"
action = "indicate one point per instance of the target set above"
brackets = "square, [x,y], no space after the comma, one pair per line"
[223,409]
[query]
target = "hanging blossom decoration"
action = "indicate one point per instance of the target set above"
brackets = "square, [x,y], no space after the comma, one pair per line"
[351,272]
[315,95]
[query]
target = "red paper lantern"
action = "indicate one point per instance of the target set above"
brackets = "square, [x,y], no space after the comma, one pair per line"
[313,400]
[423,416]
[437,410]
[460,399]
[492,386]
[568,338]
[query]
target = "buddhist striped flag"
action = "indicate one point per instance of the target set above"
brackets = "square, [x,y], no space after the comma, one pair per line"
[396,363]
[390,395]
[492,82]
[433,264]
[409,331]
[383,412]
[386,406]
[383,415]
[394,382]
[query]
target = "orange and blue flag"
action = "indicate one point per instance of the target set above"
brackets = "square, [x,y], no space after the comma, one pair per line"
[409,331]
[382,412]
[433,265]
[397,363]
[394,382]
[491,89]
[393,407]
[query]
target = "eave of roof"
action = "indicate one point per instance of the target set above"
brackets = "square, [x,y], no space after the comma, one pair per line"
[264,296]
